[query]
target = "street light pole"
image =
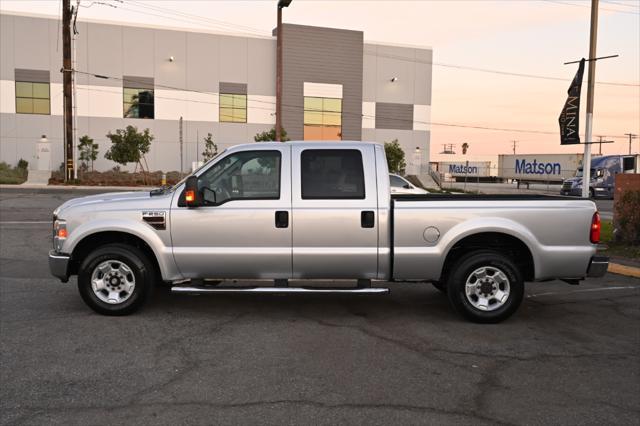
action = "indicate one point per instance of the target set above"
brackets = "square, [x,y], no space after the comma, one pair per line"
[281,5]
[586,162]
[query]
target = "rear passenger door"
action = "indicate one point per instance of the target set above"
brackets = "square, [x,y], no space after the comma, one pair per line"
[334,212]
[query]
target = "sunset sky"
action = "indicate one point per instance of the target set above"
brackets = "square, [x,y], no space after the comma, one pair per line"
[526,37]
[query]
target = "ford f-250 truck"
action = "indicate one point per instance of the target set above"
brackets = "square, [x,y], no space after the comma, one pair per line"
[309,210]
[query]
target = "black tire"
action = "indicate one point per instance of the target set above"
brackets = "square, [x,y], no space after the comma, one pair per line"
[463,270]
[440,285]
[141,267]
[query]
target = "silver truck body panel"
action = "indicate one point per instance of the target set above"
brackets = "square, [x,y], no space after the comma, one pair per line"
[120,212]
[555,231]
[327,235]
[325,238]
[237,239]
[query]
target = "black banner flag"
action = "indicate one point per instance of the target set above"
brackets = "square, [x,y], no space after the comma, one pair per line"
[569,117]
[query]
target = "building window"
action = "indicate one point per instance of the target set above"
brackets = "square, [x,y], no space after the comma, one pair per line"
[138,103]
[32,98]
[233,108]
[322,118]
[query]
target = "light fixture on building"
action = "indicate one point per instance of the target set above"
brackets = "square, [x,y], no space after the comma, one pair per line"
[171,59]
[394,79]
[44,139]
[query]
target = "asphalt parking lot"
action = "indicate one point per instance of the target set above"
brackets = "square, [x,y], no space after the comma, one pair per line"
[571,355]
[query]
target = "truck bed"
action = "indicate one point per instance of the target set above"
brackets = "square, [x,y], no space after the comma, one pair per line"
[555,229]
[481,197]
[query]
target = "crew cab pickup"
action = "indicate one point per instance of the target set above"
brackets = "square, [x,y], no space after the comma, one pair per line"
[309,211]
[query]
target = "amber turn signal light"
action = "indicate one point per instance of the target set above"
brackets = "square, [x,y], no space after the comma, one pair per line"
[62,233]
[190,196]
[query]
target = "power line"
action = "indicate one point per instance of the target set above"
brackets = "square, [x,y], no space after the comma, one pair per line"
[227,26]
[173,12]
[633,6]
[290,106]
[494,71]
[584,5]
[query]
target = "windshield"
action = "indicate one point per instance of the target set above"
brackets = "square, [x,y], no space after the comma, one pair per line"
[197,170]
[579,172]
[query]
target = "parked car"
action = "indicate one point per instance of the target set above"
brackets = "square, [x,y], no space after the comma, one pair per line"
[309,210]
[400,185]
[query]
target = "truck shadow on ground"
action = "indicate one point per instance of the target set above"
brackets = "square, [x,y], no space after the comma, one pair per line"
[419,301]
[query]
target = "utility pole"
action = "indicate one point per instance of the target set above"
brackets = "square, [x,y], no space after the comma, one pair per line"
[515,144]
[631,137]
[586,162]
[66,81]
[600,143]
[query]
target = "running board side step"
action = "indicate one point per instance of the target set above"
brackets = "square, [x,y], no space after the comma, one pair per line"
[279,290]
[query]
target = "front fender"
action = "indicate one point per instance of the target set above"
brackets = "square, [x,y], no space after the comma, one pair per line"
[163,254]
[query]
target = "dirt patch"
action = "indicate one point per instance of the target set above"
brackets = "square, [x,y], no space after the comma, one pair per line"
[116,178]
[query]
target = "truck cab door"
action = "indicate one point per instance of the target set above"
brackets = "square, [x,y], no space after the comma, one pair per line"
[334,211]
[244,230]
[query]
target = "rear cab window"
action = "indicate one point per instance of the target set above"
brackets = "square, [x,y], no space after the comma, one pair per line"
[332,174]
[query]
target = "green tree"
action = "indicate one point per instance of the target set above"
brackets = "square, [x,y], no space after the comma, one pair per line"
[129,146]
[395,156]
[88,151]
[210,148]
[270,136]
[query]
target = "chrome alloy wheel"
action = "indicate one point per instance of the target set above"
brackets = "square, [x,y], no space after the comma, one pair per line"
[113,282]
[487,288]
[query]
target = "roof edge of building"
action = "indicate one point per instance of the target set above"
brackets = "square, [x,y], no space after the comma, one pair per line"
[141,25]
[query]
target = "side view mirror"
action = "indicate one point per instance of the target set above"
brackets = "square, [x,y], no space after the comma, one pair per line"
[192,196]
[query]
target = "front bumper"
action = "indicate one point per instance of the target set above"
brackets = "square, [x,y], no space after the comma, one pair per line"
[59,265]
[598,266]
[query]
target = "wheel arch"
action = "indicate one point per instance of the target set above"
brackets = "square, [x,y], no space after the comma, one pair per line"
[498,240]
[90,242]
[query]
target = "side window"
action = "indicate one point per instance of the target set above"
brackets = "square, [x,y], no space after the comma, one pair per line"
[396,182]
[245,175]
[332,174]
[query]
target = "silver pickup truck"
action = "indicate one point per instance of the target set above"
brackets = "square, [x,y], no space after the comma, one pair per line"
[308,211]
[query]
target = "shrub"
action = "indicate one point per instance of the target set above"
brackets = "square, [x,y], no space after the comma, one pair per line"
[13,175]
[88,152]
[210,148]
[270,135]
[22,164]
[395,156]
[129,146]
[627,216]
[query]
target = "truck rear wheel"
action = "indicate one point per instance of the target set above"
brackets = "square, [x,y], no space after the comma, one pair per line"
[115,279]
[485,286]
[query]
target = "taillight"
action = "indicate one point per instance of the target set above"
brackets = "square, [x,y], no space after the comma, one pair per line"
[594,234]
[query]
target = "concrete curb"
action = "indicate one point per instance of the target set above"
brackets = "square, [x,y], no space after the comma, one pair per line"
[629,271]
[62,188]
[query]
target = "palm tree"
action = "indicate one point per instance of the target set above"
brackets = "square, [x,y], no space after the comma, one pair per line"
[465,147]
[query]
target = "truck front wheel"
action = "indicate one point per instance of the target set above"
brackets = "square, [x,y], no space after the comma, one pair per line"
[485,286]
[115,279]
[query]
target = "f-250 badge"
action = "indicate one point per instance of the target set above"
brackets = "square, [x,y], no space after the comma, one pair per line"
[155,218]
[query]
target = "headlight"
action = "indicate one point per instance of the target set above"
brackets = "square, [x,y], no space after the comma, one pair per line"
[59,233]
